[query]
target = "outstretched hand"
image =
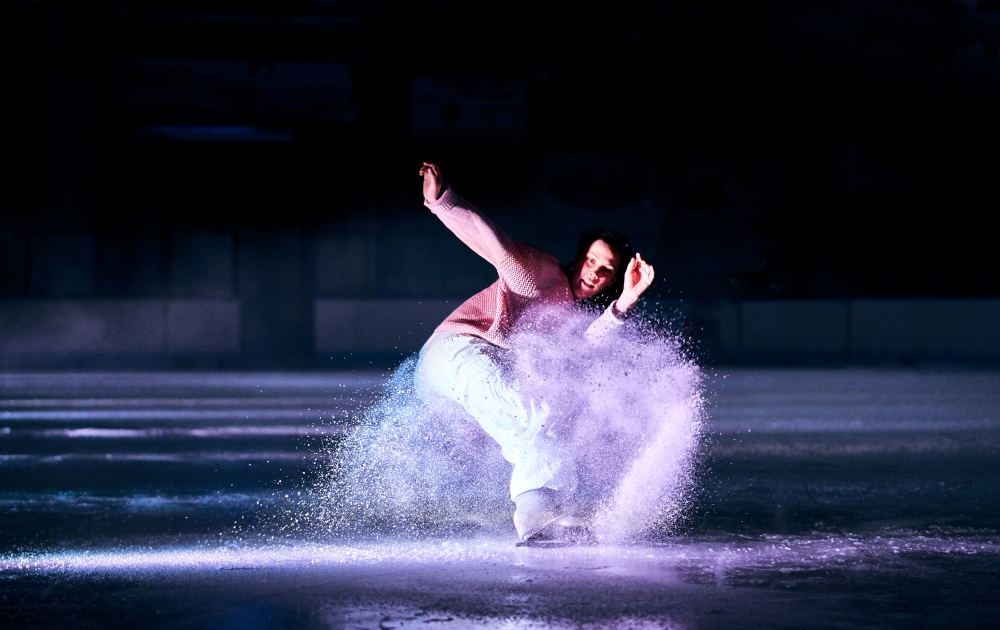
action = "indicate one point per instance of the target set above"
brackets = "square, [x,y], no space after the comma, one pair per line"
[638,276]
[433,181]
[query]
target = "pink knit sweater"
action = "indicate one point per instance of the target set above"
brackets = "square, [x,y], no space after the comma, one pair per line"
[528,277]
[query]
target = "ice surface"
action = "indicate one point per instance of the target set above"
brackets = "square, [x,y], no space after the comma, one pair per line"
[828,498]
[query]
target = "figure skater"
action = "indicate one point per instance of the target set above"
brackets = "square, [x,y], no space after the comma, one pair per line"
[463,360]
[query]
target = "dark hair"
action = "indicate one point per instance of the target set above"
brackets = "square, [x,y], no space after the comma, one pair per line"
[617,242]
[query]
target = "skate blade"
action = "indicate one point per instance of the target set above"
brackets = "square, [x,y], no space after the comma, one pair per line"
[547,544]
[561,537]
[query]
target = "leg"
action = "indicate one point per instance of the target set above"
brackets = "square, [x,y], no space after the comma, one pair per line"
[462,368]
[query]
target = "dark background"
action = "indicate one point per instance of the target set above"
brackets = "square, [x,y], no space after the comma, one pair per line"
[754,149]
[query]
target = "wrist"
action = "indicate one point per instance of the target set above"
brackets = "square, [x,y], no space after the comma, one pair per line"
[622,305]
[436,194]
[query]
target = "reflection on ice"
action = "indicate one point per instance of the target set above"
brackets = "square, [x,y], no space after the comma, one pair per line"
[166,400]
[851,423]
[485,582]
[107,382]
[391,617]
[208,432]
[76,503]
[656,562]
[249,413]
[187,457]
[835,498]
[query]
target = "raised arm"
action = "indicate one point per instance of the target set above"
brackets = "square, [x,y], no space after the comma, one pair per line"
[469,224]
[433,182]
[639,275]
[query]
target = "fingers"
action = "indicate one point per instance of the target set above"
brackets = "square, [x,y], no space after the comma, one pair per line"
[645,269]
[432,168]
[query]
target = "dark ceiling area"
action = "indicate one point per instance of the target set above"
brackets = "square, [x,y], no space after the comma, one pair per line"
[848,145]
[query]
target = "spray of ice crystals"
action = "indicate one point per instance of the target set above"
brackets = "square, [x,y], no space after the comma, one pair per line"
[409,468]
[628,409]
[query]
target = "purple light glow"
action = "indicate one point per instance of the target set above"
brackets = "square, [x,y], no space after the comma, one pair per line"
[208,381]
[165,414]
[189,457]
[209,432]
[174,402]
[659,562]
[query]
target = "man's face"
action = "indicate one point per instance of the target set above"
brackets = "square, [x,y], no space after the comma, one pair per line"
[594,270]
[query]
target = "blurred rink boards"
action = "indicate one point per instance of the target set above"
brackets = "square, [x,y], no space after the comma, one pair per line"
[40,332]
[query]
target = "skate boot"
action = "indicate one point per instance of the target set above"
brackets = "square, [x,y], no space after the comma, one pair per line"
[541,521]
[536,510]
[568,530]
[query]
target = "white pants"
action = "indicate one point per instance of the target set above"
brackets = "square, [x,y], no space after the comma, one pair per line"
[463,369]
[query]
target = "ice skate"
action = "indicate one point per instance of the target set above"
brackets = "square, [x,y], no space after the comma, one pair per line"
[542,522]
[565,531]
[536,510]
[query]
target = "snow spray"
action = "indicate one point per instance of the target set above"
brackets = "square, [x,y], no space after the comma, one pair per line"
[628,408]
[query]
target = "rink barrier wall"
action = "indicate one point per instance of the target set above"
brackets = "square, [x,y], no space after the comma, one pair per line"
[377,325]
[862,330]
[934,328]
[40,331]
[174,332]
[802,326]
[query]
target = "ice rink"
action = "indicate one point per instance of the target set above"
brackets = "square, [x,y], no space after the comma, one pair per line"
[827,499]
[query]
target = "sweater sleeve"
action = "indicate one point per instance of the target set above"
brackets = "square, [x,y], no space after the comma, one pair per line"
[603,326]
[517,263]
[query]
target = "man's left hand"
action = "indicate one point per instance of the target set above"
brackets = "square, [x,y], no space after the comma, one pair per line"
[638,276]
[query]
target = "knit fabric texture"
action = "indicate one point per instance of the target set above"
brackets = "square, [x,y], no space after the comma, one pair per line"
[528,276]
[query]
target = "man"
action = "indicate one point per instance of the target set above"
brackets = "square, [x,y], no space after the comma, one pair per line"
[462,361]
